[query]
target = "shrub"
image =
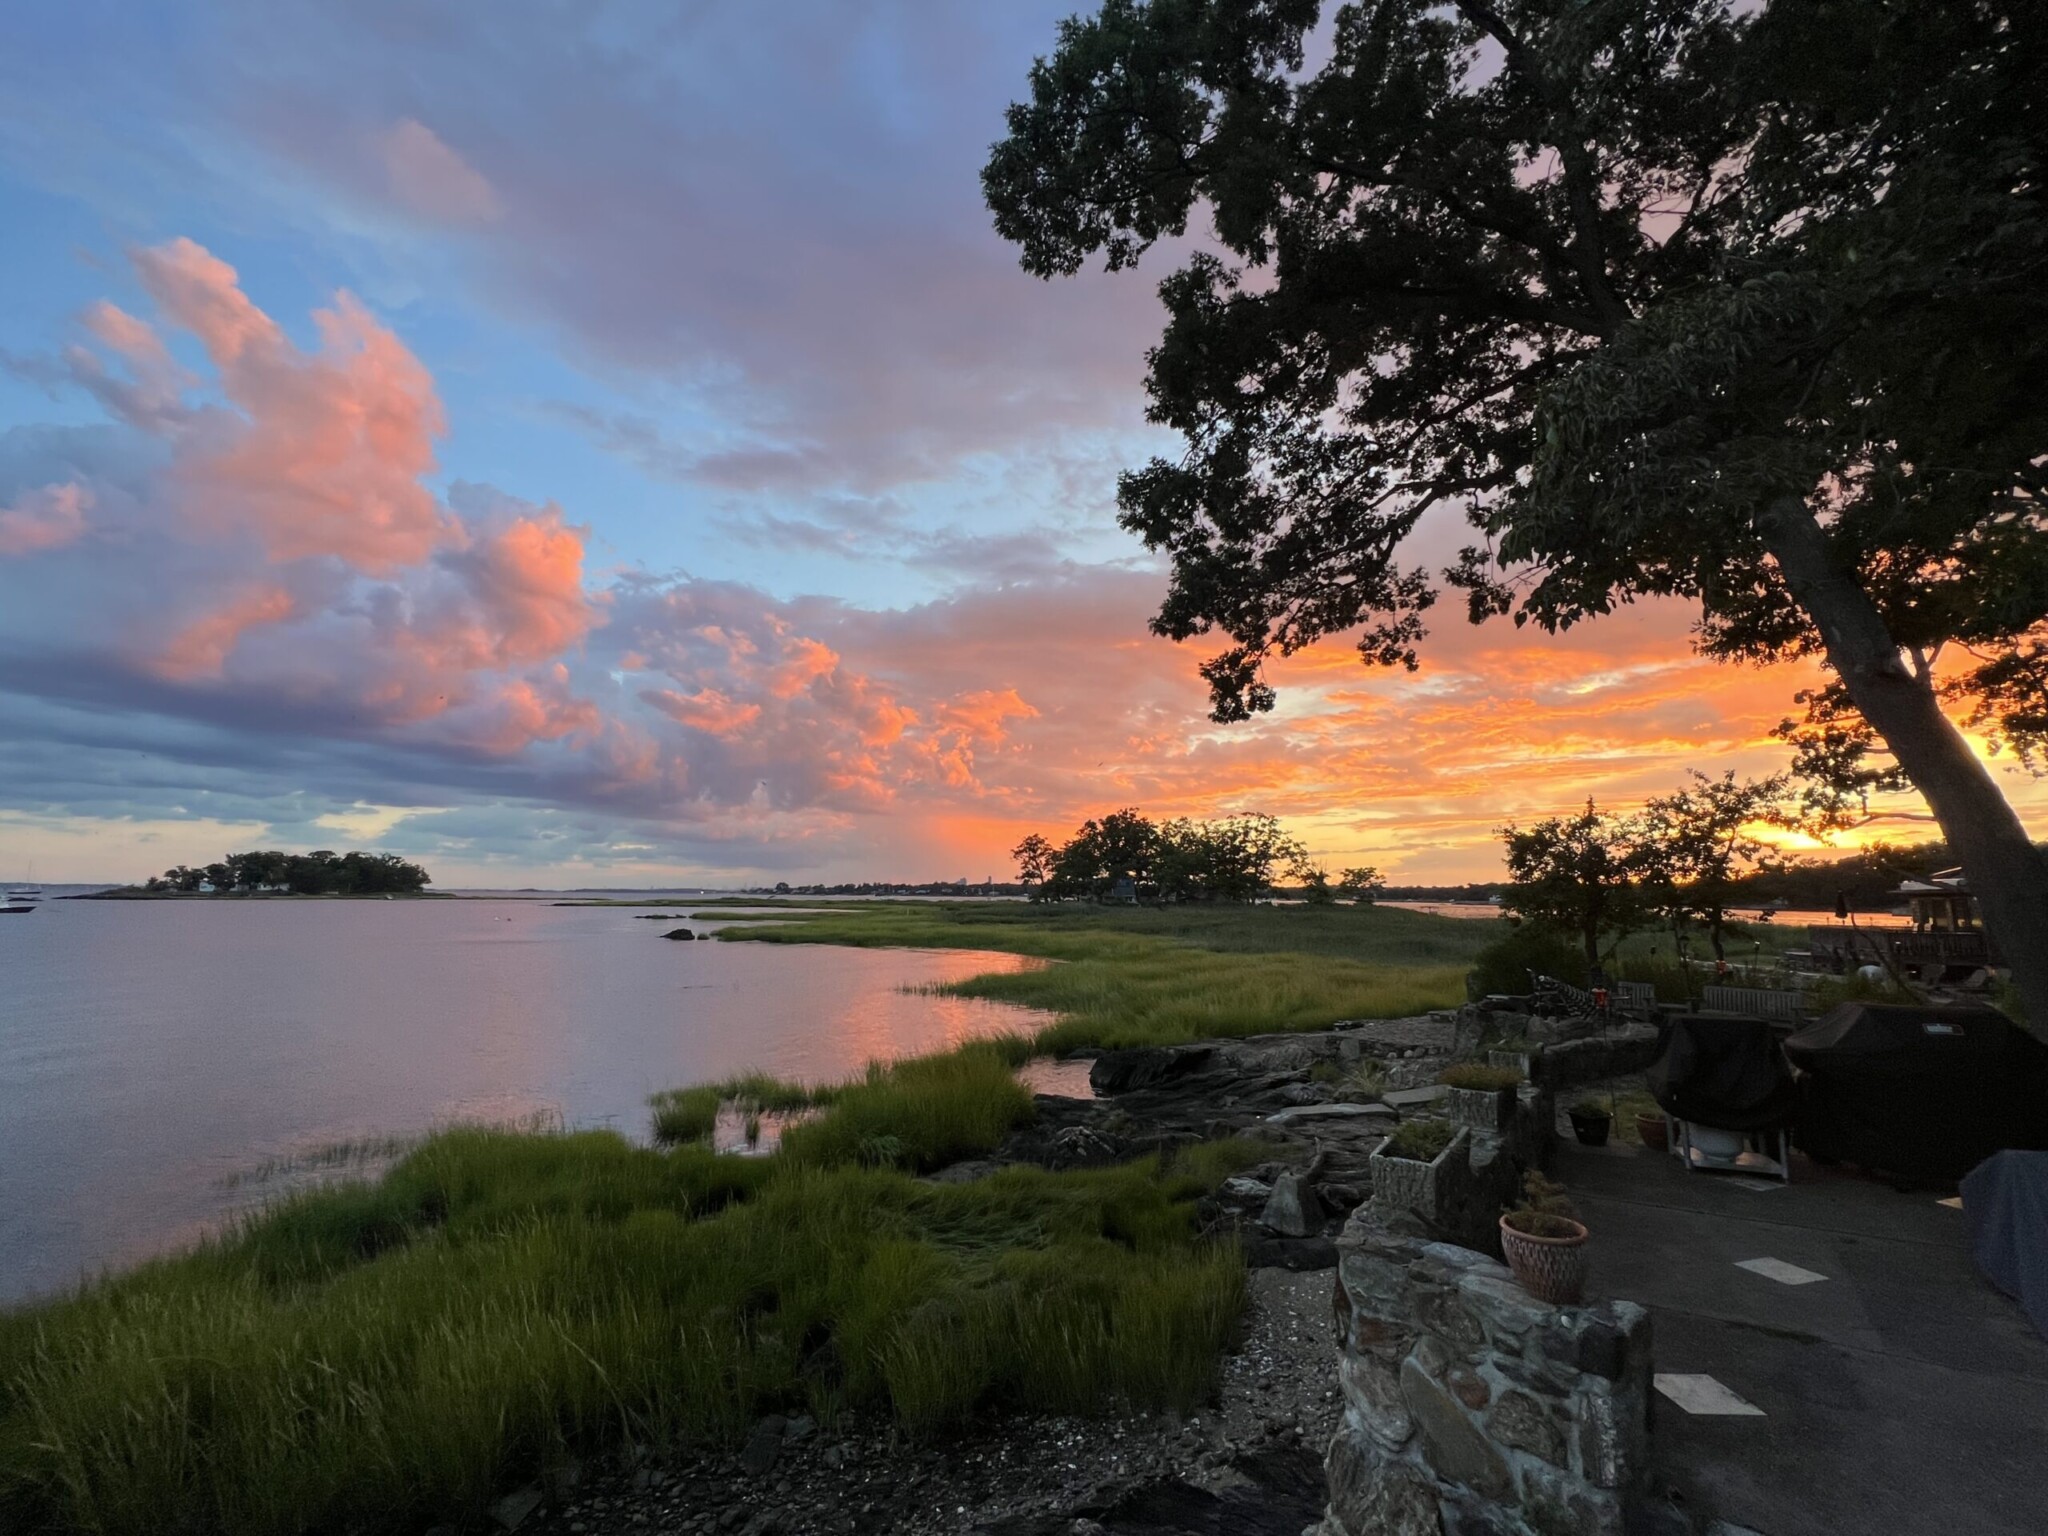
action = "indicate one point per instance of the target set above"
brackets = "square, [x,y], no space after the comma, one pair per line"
[1545,1211]
[1420,1140]
[1506,964]
[1478,1075]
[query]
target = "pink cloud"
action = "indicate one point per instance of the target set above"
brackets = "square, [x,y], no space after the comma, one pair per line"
[201,647]
[431,179]
[44,519]
[322,453]
[521,711]
[705,710]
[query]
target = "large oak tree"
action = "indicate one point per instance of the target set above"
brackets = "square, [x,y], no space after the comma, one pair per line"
[1746,309]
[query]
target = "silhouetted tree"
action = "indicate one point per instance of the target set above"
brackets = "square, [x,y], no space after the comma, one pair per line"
[1699,842]
[1746,309]
[1577,874]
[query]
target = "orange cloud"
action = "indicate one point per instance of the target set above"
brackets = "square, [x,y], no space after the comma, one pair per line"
[705,710]
[803,662]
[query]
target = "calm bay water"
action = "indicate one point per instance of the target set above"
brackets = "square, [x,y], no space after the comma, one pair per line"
[153,1056]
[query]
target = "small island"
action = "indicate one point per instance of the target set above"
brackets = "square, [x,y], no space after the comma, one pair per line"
[271,872]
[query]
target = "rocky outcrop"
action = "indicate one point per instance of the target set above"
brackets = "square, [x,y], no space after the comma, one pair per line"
[1471,1406]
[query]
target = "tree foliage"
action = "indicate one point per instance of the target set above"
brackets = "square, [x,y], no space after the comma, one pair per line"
[1361,884]
[1580,875]
[1234,858]
[1606,276]
[321,873]
[1698,843]
[1671,299]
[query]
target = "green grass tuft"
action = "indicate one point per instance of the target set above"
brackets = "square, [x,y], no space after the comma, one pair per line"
[1421,1140]
[920,1114]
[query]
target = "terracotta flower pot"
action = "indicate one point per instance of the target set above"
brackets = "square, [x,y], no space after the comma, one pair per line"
[1653,1131]
[1551,1269]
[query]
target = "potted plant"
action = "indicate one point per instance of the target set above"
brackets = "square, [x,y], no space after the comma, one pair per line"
[1481,1096]
[1591,1121]
[1406,1167]
[1545,1243]
[1652,1130]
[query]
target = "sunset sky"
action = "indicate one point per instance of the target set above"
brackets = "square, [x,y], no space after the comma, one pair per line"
[585,445]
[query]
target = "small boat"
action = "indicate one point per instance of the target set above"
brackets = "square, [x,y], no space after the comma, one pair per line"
[21,900]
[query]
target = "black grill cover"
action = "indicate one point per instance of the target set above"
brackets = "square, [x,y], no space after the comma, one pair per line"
[1724,1073]
[1921,1093]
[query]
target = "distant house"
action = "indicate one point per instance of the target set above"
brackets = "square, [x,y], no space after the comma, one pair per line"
[1947,942]
[1941,903]
[1125,891]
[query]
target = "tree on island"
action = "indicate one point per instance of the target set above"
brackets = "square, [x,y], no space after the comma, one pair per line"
[1234,858]
[1746,309]
[320,873]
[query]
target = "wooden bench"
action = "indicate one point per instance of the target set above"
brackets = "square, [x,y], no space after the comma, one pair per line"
[1755,1002]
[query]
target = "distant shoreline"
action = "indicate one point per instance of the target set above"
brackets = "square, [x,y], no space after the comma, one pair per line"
[137,893]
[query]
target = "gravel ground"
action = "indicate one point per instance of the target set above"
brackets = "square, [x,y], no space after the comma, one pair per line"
[1257,1449]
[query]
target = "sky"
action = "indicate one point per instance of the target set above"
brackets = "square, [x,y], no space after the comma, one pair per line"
[607,444]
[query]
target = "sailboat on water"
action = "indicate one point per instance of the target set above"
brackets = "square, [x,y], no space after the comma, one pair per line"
[22,899]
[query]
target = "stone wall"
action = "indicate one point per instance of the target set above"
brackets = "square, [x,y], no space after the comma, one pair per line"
[1566,1065]
[1471,1408]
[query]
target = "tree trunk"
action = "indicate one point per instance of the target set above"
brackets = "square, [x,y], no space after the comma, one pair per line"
[2006,872]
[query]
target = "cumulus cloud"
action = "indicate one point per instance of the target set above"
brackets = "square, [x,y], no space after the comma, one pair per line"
[274,598]
[322,453]
[199,647]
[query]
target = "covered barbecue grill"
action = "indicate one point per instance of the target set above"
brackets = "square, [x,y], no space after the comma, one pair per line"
[1921,1093]
[1722,1072]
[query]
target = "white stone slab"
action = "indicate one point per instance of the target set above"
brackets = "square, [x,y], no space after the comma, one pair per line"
[1415,1098]
[1703,1396]
[1780,1271]
[1296,1112]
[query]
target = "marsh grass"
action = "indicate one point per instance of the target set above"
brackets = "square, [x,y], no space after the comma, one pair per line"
[920,1114]
[329,1157]
[380,1357]
[685,1115]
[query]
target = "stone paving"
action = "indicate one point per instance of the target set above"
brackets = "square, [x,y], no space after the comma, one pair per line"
[1828,1359]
